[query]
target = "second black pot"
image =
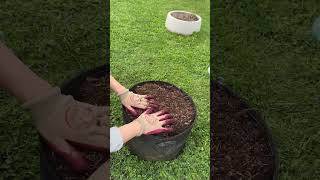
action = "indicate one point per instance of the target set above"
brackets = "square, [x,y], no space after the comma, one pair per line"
[259,120]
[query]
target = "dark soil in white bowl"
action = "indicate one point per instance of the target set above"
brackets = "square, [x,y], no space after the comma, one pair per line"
[185,16]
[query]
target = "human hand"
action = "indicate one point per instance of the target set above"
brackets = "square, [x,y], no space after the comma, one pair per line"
[131,100]
[63,121]
[152,123]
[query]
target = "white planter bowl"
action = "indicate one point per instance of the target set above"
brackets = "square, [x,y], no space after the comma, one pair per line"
[183,27]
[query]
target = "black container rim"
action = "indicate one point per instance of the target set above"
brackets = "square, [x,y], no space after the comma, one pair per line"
[82,74]
[261,122]
[179,89]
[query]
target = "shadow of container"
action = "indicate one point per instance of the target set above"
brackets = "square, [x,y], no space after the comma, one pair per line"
[155,147]
[48,167]
[259,120]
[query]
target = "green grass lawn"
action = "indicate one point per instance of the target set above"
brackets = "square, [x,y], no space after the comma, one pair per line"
[142,49]
[265,51]
[56,39]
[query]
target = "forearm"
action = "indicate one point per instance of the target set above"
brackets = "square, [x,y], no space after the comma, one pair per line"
[116,86]
[130,130]
[119,136]
[18,79]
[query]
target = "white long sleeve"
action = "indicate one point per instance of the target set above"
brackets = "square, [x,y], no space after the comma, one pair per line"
[116,141]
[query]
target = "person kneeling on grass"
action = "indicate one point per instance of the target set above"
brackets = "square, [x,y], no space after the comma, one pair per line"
[147,123]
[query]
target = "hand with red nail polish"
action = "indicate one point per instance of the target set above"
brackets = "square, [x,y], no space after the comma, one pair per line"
[153,123]
[59,119]
[131,100]
[63,122]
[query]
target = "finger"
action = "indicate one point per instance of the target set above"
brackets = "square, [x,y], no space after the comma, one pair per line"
[143,96]
[143,100]
[159,113]
[148,111]
[155,106]
[131,110]
[166,122]
[74,158]
[152,101]
[165,116]
[163,112]
[142,105]
[149,97]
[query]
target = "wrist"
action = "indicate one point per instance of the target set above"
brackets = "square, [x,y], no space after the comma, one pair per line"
[40,91]
[137,126]
[49,97]
[122,92]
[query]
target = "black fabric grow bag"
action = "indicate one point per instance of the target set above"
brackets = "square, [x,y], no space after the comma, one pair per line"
[155,147]
[259,120]
[47,165]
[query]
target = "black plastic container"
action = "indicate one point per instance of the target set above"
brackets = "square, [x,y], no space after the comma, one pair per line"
[155,147]
[256,117]
[47,166]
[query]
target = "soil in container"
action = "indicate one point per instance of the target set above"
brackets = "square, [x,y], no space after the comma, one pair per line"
[92,91]
[169,98]
[239,148]
[184,16]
